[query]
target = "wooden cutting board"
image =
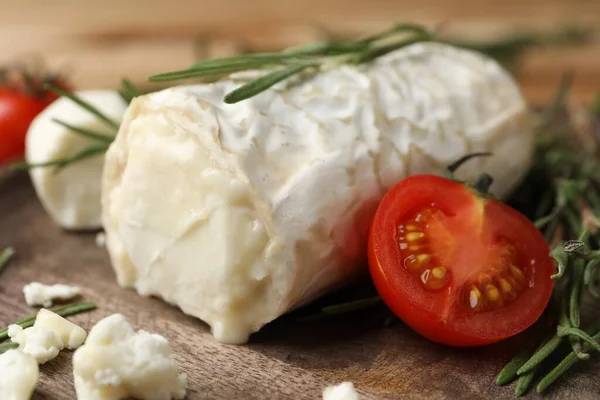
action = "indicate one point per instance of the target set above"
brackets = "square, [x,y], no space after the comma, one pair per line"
[287,360]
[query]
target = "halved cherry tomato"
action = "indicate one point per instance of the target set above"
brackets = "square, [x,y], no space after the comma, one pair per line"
[460,268]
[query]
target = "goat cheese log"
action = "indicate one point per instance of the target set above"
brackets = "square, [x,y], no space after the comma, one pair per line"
[239,213]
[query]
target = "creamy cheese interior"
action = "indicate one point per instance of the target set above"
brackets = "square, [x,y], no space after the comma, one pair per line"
[207,231]
[238,213]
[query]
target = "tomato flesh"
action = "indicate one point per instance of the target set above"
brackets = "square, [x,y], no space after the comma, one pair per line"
[459,268]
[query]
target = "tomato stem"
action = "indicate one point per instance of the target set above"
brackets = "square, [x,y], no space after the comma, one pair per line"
[483,183]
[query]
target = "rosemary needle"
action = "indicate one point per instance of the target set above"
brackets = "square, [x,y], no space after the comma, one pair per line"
[63,162]
[5,257]
[83,104]
[4,347]
[509,372]
[261,84]
[63,311]
[524,382]
[91,134]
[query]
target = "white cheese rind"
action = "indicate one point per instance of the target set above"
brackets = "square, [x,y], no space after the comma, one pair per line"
[238,213]
[343,391]
[117,363]
[19,373]
[72,196]
[38,294]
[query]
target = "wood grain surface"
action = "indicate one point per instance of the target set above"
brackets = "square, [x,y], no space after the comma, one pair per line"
[98,43]
[288,359]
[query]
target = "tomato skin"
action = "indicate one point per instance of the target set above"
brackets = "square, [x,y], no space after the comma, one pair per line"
[17,111]
[419,308]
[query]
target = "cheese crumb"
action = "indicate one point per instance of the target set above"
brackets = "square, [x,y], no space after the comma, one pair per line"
[19,375]
[14,330]
[41,343]
[116,362]
[101,239]
[38,294]
[343,391]
[49,334]
[70,334]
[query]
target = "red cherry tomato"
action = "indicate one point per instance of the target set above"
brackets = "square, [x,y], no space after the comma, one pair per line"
[459,268]
[17,109]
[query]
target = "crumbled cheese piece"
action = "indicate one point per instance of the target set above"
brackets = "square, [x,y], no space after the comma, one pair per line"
[49,334]
[38,294]
[343,391]
[70,334]
[41,343]
[117,363]
[19,373]
[14,330]
[101,239]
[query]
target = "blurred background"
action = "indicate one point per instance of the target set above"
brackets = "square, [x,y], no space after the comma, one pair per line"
[99,42]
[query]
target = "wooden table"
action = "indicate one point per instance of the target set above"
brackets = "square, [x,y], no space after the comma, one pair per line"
[287,360]
[100,42]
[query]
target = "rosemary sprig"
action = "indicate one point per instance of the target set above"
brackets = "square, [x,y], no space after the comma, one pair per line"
[63,311]
[292,61]
[5,257]
[566,173]
[347,51]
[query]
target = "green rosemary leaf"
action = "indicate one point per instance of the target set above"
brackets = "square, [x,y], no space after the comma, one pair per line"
[570,360]
[371,54]
[561,258]
[5,257]
[569,331]
[128,90]
[326,49]
[342,308]
[575,298]
[64,162]
[524,383]
[396,29]
[91,134]
[63,311]
[541,354]
[509,372]
[261,84]
[564,86]
[352,305]
[83,104]
[4,347]
[265,58]
[591,271]
[560,204]
[545,205]
[211,70]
